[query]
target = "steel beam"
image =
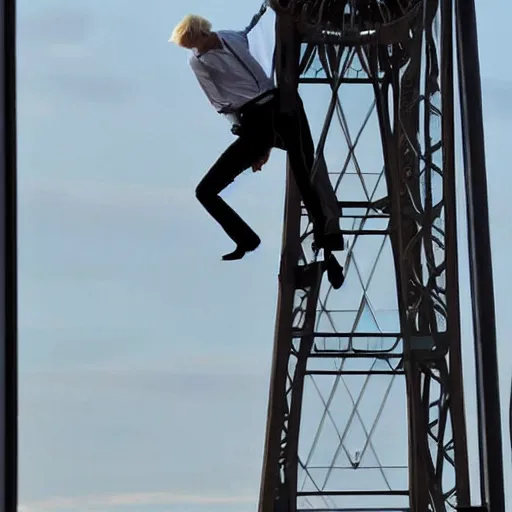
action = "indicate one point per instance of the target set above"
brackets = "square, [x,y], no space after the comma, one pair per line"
[480,260]
[8,296]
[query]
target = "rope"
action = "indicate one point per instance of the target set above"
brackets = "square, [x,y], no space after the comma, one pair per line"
[257,16]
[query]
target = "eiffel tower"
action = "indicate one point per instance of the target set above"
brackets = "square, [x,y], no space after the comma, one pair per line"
[366,410]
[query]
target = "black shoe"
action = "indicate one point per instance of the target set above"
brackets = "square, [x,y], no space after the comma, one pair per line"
[334,242]
[329,241]
[335,273]
[241,250]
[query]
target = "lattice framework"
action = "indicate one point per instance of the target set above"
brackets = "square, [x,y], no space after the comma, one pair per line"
[389,340]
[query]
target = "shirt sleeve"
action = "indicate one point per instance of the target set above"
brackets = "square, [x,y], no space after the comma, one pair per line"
[207,84]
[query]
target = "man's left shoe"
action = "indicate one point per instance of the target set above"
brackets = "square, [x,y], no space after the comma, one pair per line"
[329,241]
[241,250]
[334,242]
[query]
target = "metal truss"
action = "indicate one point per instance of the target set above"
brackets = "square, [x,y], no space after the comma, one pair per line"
[366,407]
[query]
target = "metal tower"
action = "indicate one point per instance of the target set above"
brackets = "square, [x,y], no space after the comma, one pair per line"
[366,407]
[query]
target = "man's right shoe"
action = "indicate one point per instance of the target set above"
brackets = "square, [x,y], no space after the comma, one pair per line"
[335,273]
[241,250]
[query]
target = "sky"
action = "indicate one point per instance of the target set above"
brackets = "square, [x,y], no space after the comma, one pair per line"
[144,359]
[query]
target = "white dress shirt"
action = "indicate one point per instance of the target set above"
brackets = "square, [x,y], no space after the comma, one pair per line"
[230,76]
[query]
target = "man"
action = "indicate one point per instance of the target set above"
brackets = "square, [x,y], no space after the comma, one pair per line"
[238,87]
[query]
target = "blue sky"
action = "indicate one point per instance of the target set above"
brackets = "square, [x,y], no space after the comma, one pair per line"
[144,358]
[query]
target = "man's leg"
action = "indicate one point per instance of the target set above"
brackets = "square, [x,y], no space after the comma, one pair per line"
[298,142]
[296,136]
[236,159]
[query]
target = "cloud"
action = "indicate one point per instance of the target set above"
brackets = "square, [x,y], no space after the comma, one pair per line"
[94,86]
[55,25]
[32,106]
[129,499]
[95,193]
[496,99]
[62,52]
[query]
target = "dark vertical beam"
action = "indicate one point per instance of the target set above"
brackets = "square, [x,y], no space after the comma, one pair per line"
[455,384]
[271,478]
[271,488]
[482,288]
[8,296]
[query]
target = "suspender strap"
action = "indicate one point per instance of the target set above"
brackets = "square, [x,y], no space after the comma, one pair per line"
[244,65]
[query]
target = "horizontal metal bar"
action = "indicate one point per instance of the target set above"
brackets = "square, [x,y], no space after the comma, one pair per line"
[299,334]
[323,354]
[375,216]
[354,372]
[327,81]
[354,173]
[361,215]
[361,231]
[358,216]
[383,216]
[353,493]
[365,231]
[351,468]
[356,204]
[380,509]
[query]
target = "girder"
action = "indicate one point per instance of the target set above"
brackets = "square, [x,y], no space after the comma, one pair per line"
[366,407]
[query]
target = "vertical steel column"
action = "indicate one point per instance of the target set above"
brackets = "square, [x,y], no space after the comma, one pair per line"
[271,482]
[8,297]
[452,252]
[484,321]
[510,419]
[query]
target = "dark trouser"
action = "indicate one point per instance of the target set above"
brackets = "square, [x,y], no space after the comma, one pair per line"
[262,127]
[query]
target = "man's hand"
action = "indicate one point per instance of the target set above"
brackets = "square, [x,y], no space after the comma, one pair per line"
[256,166]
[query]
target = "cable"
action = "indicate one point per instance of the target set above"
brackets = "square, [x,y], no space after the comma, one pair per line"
[256,18]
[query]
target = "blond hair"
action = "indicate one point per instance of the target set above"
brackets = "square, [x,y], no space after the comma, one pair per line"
[189,28]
